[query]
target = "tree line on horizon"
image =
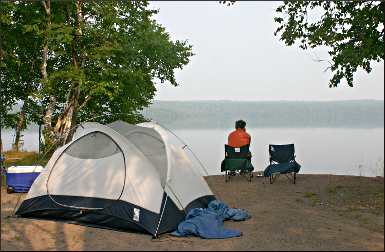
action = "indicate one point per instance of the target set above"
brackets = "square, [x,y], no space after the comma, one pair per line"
[274,114]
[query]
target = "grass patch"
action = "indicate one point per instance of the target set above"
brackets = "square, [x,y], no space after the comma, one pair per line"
[334,189]
[309,194]
[24,158]
[355,196]
[312,197]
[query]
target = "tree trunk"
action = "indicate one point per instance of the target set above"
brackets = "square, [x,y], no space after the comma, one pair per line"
[49,139]
[66,123]
[63,125]
[19,128]
[47,119]
[1,144]
[43,69]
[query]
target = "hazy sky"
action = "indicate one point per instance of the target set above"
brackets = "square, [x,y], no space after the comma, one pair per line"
[237,57]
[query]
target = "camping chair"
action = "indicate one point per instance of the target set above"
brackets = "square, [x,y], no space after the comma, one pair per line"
[282,161]
[237,160]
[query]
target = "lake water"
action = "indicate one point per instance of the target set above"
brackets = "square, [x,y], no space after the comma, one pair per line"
[340,151]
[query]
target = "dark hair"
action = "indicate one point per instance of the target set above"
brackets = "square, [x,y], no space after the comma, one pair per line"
[240,124]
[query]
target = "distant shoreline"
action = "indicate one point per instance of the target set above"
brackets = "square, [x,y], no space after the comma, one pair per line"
[226,100]
[268,114]
[221,114]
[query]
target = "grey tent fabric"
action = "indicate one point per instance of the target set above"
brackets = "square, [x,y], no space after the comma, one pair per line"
[119,176]
[152,145]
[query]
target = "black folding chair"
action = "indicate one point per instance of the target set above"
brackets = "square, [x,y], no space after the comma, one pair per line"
[237,160]
[282,161]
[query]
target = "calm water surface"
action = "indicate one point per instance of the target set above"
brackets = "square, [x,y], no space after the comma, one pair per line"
[341,151]
[319,150]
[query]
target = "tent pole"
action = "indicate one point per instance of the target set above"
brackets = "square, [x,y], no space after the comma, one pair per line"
[39,139]
[161,216]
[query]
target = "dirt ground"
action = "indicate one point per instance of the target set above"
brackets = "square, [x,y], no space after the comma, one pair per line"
[320,212]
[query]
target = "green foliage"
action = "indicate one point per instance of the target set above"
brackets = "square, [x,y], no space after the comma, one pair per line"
[126,54]
[19,66]
[105,64]
[352,30]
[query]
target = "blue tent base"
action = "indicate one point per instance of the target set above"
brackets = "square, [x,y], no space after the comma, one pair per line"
[113,214]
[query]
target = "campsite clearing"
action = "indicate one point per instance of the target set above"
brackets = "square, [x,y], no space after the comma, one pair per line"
[320,212]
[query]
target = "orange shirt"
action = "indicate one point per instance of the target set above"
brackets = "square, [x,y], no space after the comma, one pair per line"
[238,138]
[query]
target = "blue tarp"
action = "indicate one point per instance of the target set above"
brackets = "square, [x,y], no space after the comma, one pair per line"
[208,222]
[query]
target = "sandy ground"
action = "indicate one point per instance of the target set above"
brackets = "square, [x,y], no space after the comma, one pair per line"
[320,212]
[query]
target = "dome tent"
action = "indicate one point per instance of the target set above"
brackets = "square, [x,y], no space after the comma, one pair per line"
[119,176]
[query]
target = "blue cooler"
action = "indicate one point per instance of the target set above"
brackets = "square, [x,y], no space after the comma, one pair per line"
[21,178]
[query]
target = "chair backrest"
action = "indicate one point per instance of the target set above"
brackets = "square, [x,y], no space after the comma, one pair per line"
[282,153]
[233,152]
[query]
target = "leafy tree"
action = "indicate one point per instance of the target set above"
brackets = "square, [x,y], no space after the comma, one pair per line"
[98,60]
[19,61]
[352,30]
[111,55]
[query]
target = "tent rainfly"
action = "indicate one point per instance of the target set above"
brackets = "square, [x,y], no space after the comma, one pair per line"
[119,176]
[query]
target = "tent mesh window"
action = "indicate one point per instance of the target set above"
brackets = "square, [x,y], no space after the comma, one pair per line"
[91,167]
[92,146]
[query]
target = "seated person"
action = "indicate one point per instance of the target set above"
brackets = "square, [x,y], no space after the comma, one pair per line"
[239,137]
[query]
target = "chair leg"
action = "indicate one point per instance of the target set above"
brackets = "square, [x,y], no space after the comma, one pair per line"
[273,177]
[294,177]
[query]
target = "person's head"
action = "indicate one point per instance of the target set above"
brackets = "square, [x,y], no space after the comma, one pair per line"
[240,124]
